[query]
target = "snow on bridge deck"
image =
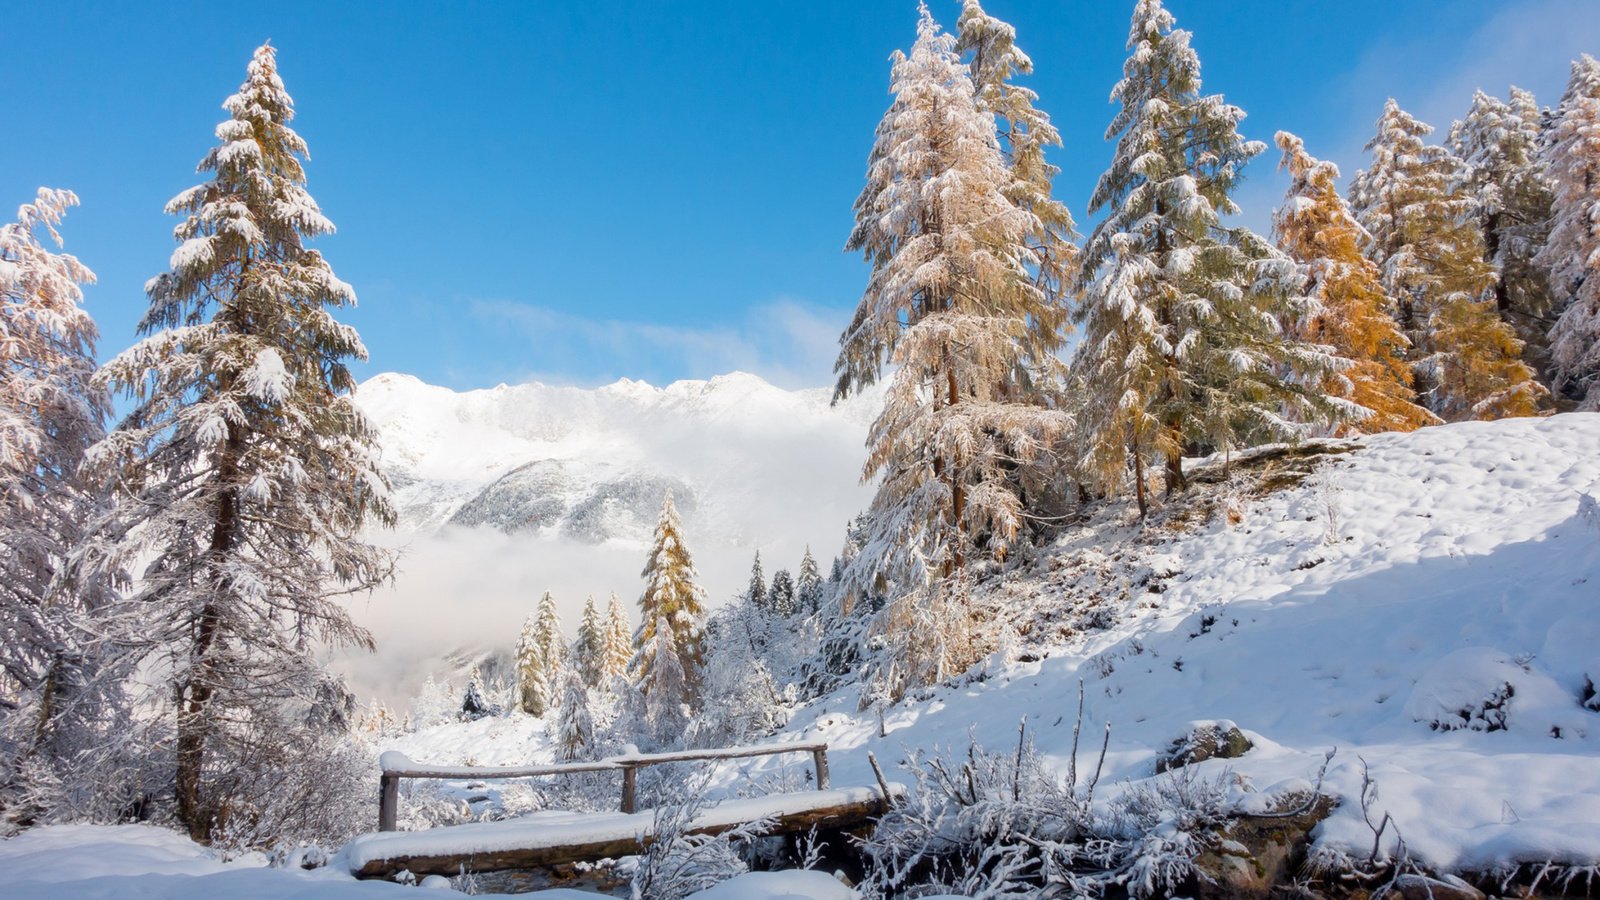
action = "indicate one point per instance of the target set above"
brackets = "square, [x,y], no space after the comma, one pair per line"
[550,839]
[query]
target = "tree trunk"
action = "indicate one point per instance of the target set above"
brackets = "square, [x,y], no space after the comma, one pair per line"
[958,498]
[1138,480]
[1175,479]
[195,697]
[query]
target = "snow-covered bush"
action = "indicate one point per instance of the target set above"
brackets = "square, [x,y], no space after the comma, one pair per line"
[982,824]
[1003,824]
[679,863]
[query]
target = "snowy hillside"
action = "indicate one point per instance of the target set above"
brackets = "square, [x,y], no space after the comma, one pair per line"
[1430,604]
[509,492]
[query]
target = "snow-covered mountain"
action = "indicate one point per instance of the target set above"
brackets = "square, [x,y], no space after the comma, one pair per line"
[512,491]
[593,465]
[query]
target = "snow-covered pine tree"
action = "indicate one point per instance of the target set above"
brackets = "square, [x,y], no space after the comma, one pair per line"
[1025,132]
[533,684]
[1572,256]
[588,651]
[618,644]
[756,593]
[780,599]
[243,474]
[665,685]
[1183,348]
[574,725]
[671,595]
[1415,203]
[952,306]
[1316,228]
[808,586]
[474,705]
[1500,141]
[50,414]
[552,647]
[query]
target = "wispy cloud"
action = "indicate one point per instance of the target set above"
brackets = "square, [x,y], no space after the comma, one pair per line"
[789,343]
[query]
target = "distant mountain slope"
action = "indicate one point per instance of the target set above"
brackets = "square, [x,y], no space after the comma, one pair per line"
[594,465]
[509,492]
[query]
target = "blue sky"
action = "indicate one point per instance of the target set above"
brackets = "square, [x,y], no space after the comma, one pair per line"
[577,192]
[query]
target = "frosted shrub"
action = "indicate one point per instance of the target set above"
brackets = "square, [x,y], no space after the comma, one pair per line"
[1000,824]
[678,863]
[986,824]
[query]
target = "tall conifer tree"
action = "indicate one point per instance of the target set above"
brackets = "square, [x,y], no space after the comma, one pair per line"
[671,596]
[533,684]
[618,641]
[1350,313]
[1572,256]
[551,646]
[588,651]
[51,412]
[1183,348]
[953,305]
[1414,202]
[1499,141]
[243,473]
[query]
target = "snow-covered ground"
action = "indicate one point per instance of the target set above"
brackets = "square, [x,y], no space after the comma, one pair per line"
[1429,606]
[1361,611]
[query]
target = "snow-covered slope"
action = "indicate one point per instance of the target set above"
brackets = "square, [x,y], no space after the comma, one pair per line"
[510,492]
[1426,589]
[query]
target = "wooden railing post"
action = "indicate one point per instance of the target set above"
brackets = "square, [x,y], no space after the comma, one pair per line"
[388,802]
[819,758]
[630,786]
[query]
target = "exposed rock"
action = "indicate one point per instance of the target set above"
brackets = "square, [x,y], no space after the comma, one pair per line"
[1257,853]
[1220,739]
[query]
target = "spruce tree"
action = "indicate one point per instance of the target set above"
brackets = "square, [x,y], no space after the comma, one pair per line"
[1350,313]
[780,600]
[671,596]
[1182,348]
[953,307]
[575,725]
[618,644]
[51,412]
[243,474]
[1415,204]
[808,585]
[665,685]
[1572,256]
[756,592]
[588,651]
[552,648]
[1499,141]
[533,685]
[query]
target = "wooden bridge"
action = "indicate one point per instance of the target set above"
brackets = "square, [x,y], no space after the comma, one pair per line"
[553,838]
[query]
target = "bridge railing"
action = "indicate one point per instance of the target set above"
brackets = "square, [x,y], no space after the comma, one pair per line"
[397,766]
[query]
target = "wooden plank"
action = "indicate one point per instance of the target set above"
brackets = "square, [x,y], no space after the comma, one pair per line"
[398,764]
[836,816]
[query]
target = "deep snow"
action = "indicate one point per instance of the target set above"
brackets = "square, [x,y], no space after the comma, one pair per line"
[1456,560]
